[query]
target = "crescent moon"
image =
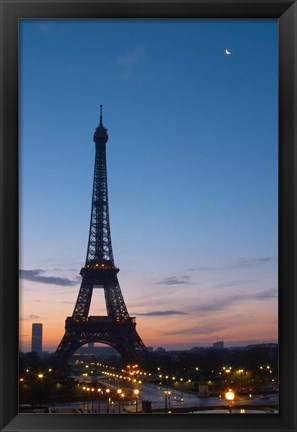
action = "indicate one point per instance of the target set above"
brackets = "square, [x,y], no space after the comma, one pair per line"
[227,52]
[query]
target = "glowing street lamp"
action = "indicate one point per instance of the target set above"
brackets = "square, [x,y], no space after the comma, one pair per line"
[119,392]
[122,397]
[107,400]
[136,394]
[167,395]
[92,398]
[99,398]
[229,395]
[40,377]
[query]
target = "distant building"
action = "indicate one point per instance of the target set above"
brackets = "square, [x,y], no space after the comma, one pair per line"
[160,350]
[263,345]
[198,349]
[37,338]
[150,349]
[218,345]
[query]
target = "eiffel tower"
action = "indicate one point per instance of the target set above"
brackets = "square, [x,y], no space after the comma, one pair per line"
[117,329]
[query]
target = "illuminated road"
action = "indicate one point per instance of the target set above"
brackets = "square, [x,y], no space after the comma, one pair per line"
[161,400]
[177,399]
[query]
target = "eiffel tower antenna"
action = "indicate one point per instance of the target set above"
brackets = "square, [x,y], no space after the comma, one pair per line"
[101,115]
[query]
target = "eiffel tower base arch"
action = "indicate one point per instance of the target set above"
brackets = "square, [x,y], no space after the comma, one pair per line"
[122,336]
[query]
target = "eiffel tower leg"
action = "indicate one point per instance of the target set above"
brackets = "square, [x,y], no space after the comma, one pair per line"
[129,344]
[71,340]
[68,345]
[82,306]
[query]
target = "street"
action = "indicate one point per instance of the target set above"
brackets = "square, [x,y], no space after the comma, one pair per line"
[161,397]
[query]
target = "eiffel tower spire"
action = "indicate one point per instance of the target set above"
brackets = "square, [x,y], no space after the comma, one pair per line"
[117,328]
[101,115]
[99,245]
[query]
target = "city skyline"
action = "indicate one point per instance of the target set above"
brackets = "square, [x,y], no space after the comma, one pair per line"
[192,174]
[92,347]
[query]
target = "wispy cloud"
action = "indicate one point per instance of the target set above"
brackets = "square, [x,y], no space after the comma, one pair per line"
[129,60]
[233,283]
[226,302]
[160,313]
[173,280]
[31,317]
[220,304]
[36,275]
[202,268]
[252,262]
[194,330]
[267,294]
[241,263]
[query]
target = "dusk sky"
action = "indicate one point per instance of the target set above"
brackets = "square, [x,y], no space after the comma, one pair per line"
[192,162]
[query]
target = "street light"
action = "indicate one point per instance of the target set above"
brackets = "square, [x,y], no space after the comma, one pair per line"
[40,387]
[119,391]
[92,399]
[88,398]
[167,395]
[136,394]
[122,396]
[107,400]
[99,394]
[229,395]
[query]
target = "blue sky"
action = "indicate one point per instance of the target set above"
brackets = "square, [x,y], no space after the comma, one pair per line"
[192,173]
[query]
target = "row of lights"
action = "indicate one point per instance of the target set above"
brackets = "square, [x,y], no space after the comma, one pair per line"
[133,370]
[107,391]
[120,393]
[121,377]
[39,375]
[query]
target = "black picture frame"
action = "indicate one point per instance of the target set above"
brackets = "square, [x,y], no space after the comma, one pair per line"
[286,12]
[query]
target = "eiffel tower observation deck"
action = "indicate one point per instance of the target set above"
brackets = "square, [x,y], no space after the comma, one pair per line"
[116,329]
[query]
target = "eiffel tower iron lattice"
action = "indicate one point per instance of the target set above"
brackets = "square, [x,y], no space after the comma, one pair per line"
[117,329]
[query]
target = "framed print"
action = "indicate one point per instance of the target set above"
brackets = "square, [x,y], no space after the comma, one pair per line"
[148,215]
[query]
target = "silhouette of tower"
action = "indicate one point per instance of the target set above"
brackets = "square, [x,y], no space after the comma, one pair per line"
[117,329]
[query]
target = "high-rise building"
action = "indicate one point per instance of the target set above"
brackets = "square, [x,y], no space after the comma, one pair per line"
[37,338]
